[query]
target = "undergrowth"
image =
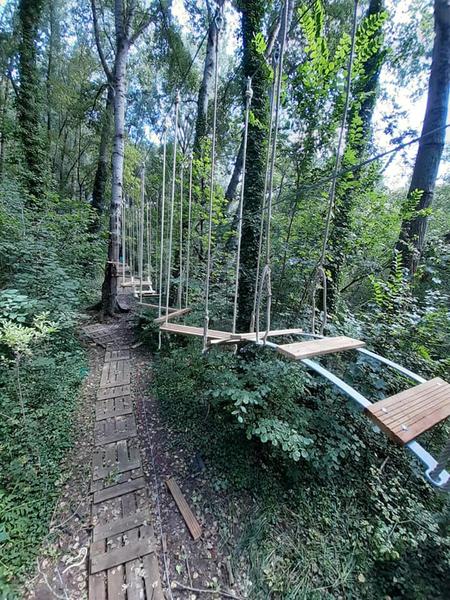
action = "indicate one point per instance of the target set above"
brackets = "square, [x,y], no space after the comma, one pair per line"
[337,511]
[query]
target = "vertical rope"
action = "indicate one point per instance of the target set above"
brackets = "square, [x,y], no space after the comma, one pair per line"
[211,187]
[271,172]
[162,216]
[149,244]
[248,99]
[172,203]
[132,243]
[180,284]
[124,234]
[188,242]
[141,233]
[337,165]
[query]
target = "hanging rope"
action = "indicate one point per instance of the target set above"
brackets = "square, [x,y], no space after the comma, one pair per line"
[180,260]
[248,99]
[141,233]
[172,203]
[124,233]
[162,216]
[211,185]
[188,241]
[320,272]
[266,277]
[149,245]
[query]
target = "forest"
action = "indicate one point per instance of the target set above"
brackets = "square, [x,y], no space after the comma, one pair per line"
[225,253]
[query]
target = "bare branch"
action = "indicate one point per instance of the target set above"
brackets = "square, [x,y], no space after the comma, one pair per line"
[101,55]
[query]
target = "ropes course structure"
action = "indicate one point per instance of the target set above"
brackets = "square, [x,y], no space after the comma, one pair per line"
[402,417]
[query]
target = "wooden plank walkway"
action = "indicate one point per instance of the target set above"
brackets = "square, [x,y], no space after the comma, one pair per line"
[122,560]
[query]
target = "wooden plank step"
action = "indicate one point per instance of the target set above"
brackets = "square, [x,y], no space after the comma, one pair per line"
[115,429]
[115,373]
[103,484]
[172,315]
[184,508]
[156,306]
[119,489]
[406,415]
[107,560]
[135,519]
[113,407]
[123,354]
[113,459]
[301,350]
[114,392]
[97,582]
[273,333]
[194,331]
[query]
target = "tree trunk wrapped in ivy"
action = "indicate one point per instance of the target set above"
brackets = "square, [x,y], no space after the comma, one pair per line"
[367,66]
[28,101]
[421,190]
[255,66]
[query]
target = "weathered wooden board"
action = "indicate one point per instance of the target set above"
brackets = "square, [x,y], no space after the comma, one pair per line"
[184,508]
[113,407]
[171,315]
[410,413]
[115,373]
[116,526]
[113,392]
[118,556]
[119,489]
[194,331]
[113,459]
[301,350]
[115,429]
[123,354]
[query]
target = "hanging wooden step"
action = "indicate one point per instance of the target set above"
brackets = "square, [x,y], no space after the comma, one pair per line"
[406,415]
[330,345]
[194,331]
[172,315]
[274,333]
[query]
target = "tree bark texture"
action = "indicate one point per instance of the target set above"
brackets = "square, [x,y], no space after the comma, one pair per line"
[101,173]
[29,105]
[413,229]
[254,66]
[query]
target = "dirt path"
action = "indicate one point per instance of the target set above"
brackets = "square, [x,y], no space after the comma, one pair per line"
[116,517]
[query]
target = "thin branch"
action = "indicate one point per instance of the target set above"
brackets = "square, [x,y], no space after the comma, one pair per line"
[101,55]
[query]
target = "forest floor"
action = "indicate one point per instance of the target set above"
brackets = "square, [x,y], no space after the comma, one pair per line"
[189,569]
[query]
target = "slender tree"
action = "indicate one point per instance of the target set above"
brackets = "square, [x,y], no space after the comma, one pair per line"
[126,15]
[28,102]
[204,92]
[421,190]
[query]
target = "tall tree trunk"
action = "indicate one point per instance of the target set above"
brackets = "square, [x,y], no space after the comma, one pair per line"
[101,173]
[413,229]
[358,140]
[238,164]
[201,128]
[30,12]
[109,288]
[254,66]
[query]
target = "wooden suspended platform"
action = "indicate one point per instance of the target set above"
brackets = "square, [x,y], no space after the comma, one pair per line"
[194,331]
[319,347]
[172,314]
[406,415]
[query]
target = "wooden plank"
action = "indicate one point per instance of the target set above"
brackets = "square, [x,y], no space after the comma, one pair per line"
[113,407]
[119,489]
[272,333]
[121,464]
[135,584]
[152,579]
[408,414]
[118,556]
[104,484]
[187,514]
[156,306]
[115,373]
[114,392]
[117,526]
[301,350]
[172,315]
[122,354]
[97,582]
[194,331]
[116,429]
